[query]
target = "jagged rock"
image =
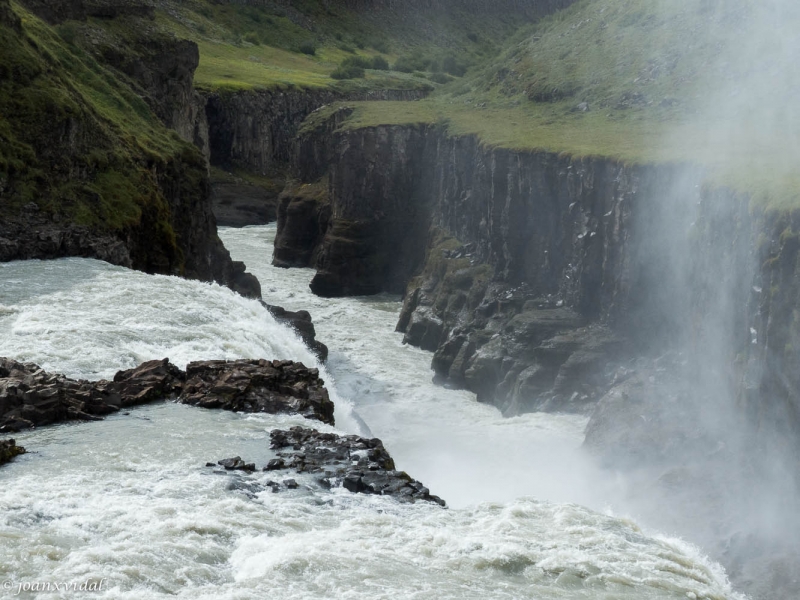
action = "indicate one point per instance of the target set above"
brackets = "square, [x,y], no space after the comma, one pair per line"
[360,465]
[302,323]
[303,215]
[275,464]
[8,450]
[31,397]
[31,235]
[152,380]
[279,386]
[236,464]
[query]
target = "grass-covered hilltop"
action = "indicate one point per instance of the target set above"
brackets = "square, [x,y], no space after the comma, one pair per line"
[642,81]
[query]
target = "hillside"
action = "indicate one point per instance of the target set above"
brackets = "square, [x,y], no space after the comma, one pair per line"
[707,82]
[89,89]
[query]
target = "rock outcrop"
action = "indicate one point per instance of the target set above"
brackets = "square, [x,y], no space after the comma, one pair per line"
[358,464]
[9,450]
[300,321]
[117,184]
[31,397]
[33,236]
[304,212]
[256,129]
[275,387]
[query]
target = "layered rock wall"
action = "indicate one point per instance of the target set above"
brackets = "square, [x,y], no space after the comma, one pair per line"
[256,129]
[541,281]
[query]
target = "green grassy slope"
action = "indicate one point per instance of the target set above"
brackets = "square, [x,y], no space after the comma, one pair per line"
[643,81]
[245,47]
[73,138]
[78,131]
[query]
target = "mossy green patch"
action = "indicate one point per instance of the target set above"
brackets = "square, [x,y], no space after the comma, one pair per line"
[74,137]
[711,82]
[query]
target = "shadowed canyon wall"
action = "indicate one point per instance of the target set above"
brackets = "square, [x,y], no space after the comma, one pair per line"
[542,282]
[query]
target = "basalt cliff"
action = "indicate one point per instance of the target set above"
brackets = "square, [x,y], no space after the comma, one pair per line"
[547,282]
[103,144]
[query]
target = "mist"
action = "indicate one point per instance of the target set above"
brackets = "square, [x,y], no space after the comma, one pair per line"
[714,457]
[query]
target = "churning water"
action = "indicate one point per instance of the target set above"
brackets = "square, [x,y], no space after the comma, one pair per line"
[128,500]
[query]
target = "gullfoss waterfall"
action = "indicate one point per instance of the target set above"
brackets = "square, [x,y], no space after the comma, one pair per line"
[128,500]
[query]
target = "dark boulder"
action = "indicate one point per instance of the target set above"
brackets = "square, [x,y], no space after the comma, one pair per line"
[279,386]
[302,323]
[359,464]
[8,450]
[152,380]
[31,397]
[236,464]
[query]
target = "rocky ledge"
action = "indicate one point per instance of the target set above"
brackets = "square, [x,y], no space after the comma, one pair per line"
[278,386]
[8,450]
[303,325]
[358,464]
[31,397]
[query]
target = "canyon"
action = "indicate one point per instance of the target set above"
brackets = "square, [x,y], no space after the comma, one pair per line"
[658,304]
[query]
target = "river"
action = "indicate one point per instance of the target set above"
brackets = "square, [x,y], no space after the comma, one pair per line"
[128,501]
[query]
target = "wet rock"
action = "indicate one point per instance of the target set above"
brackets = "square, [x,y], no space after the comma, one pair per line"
[360,465]
[236,464]
[275,465]
[303,214]
[8,450]
[275,387]
[248,488]
[151,380]
[302,323]
[656,414]
[31,397]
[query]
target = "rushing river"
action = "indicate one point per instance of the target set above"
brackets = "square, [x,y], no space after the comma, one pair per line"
[129,501]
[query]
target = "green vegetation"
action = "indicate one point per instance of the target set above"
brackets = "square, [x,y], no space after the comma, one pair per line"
[308,47]
[80,144]
[273,182]
[707,81]
[348,72]
[302,45]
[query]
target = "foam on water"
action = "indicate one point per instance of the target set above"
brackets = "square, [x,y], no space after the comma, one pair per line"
[129,500]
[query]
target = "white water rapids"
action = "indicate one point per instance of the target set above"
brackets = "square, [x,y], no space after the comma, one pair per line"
[128,500]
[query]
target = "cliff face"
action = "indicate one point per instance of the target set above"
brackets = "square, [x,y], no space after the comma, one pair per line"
[256,129]
[543,282]
[89,166]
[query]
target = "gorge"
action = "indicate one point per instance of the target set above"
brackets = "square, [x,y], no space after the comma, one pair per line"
[633,320]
